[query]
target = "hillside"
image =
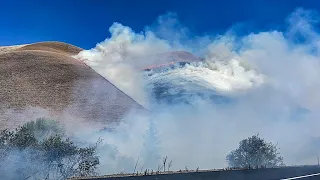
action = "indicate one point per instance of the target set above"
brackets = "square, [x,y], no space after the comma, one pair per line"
[57,47]
[5,49]
[45,76]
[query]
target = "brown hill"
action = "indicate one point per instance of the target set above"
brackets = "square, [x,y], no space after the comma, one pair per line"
[57,47]
[45,76]
[5,49]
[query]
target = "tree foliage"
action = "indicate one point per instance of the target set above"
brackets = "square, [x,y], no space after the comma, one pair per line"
[43,128]
[39,150]
[254,152]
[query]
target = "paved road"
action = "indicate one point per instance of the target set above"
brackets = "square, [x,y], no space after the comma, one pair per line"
[310,176]
[285,173]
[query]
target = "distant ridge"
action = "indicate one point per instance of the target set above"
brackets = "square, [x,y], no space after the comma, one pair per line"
[167,58]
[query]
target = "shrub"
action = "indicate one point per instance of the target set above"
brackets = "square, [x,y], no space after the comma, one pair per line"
[254,152]
[40,150]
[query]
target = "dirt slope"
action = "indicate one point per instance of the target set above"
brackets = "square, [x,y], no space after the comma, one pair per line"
[45,76]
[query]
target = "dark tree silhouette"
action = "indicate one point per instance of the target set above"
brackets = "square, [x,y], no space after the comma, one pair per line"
[254,152]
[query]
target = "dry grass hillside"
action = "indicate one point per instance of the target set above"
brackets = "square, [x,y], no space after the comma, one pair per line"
[5,49]
[45,76]
[57,47]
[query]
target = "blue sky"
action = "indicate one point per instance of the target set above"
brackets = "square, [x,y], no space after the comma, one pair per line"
[85,22]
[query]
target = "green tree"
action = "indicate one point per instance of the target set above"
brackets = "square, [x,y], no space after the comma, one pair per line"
[43,128]
[51,156]
[254,152]
[68,159]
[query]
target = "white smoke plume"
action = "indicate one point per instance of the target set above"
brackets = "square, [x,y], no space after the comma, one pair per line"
[114,58]
[273,75]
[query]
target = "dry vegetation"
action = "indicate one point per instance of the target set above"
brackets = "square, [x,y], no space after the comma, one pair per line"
[5,49]
[57,47]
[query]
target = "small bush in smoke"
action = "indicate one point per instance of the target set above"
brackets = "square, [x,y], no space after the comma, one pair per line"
[53,156]
[43,128]
[254,152]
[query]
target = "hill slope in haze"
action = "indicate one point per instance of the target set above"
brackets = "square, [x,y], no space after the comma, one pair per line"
[45,76]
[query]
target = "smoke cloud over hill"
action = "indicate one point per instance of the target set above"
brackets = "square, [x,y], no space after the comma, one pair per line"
[273,75]
[273,78]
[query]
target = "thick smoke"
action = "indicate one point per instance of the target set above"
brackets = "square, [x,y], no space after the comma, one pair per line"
[273,78]
[114,58]
[273,75]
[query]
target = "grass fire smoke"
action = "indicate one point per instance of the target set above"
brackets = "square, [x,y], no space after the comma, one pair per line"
[271,79]
[273,75]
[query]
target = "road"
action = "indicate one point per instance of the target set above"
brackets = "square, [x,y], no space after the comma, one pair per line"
[284,173]
[309,176]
